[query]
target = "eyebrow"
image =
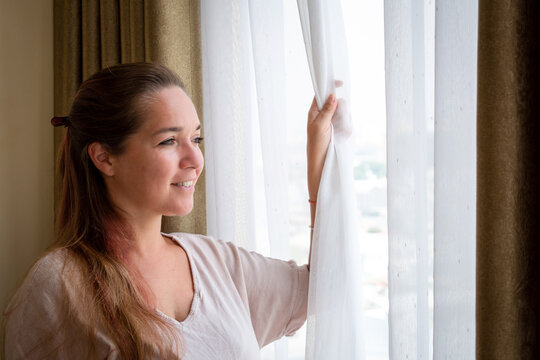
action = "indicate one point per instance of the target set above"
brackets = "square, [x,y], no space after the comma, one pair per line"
[172,129]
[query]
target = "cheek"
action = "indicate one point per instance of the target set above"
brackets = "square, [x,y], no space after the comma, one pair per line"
[200,169]
[163,168]
[152,171]
[200,159]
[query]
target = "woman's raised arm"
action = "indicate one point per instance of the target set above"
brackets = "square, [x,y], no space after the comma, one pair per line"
[318,137]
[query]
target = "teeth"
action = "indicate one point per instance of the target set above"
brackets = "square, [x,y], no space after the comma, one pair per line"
[185,183]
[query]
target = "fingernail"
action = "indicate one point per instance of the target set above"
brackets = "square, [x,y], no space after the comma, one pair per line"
[332,98]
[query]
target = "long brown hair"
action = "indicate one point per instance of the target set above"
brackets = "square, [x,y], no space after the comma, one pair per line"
[108,108]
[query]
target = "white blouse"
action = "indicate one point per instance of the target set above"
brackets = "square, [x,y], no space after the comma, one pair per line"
[242,302]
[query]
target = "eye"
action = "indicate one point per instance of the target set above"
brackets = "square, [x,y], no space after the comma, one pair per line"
[198,140]
[169,141]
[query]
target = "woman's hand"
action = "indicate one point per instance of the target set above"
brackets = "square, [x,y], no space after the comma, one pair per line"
[318,137]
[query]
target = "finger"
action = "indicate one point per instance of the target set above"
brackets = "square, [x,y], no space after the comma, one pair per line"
[314,103]
[313,110]
[329,106]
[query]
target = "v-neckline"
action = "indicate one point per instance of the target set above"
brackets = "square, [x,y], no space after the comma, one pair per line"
[196,286]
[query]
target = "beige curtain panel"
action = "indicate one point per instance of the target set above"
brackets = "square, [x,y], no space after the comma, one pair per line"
[508,209]
[90,35]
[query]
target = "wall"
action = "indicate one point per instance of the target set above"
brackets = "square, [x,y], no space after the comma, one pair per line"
[26,138]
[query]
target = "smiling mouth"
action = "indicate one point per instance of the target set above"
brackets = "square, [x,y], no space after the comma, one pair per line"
[186,184]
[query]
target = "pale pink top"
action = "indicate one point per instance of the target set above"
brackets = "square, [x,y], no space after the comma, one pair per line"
[242,302]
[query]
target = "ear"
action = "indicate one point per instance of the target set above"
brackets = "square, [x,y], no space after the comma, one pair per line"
[101,158]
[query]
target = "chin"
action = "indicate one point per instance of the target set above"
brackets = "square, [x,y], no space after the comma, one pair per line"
[179,211]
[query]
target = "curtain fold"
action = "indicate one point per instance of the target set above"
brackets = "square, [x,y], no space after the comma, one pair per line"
[334,328]
[409,176]
[244,77]
[431,107]
[230,113]
[244,105]
[90,35]
[456,29]
[508,275]
[267,22]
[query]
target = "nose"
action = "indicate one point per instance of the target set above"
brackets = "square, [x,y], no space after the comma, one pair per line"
[191,157]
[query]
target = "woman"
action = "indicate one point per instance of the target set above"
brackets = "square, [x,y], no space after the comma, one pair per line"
[114,286]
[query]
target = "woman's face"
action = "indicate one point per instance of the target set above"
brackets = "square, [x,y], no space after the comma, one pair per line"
[157,172]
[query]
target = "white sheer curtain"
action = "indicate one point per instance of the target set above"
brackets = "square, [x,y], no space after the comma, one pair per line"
[456,29]
[431,82]
[243,72]
[333,325]
[244,102]
[431,131]
[228,110]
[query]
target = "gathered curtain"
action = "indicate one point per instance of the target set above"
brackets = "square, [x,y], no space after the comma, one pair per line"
[431,152]
[334,329]
[90,35]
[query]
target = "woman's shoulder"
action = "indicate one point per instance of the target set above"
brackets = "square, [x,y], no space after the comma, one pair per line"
[50,263]
[214,252]
[205,246]
[44,276]
[47,314]
[194,242]
[38,295]
[49,270]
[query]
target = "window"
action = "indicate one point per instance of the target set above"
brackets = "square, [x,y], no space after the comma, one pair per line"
[365,35]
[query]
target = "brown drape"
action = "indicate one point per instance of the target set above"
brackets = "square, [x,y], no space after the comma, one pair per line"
[508,209]
[91,34]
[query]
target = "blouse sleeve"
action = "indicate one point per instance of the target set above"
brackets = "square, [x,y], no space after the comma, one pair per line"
[276,292]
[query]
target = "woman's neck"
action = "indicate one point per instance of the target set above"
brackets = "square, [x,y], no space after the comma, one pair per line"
[146,240]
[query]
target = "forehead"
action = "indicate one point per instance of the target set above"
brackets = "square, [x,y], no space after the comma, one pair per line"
[170,107]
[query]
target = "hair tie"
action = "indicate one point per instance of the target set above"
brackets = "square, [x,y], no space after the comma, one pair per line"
[59,121]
